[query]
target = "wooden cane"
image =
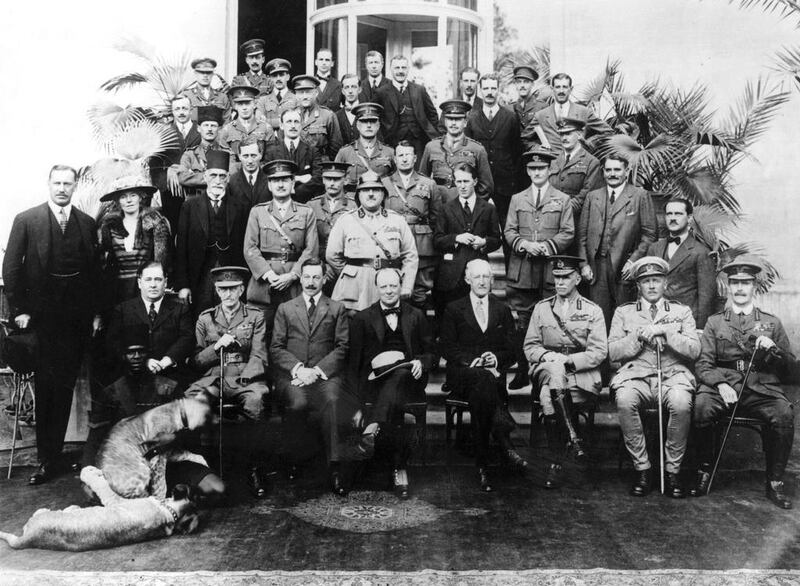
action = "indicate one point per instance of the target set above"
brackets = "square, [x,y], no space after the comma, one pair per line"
[221,394]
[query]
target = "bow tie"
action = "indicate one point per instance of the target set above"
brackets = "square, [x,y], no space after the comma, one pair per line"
[392,310]
[674,240]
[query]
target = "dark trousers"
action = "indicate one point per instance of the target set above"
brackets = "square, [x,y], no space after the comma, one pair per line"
[390,395]
[607,291]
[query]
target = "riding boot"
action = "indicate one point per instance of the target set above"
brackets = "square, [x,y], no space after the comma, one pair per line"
[554,447]
[562,400]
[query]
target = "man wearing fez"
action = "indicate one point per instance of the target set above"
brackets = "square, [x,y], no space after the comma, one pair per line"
[231,335]
[366,153]
[201,93]
[391,353]
[268,106]
[729,340]
[442,155]
[640,329]
[328,208]
[245,125]
[308,351]
[193,161]
[415,197]
[692,270]
[289,146]
[526,106]
[575,171]
[565,345]
[254,76]
[366,240]
[476,340]
[51,277]
[539,225]
[281,235]
[249,183]
[210,234]
[319,127]
[330,89]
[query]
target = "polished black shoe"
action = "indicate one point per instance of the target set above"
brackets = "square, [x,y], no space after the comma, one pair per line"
[674,488]
[578,451]
[701,483]
[256,483]
[483,478]
[641,487]
[337,484]
[400,482]
[553,478]
[516,461]
[43,473]
[520,381]
[777,496]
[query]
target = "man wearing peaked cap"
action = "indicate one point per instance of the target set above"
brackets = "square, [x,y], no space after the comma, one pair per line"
[201,93]
[528,103]
[319,125]
[253,51]
[193,162]
[539,225]
[367,153]
[268,105]
[730,340]
[638,330]
[246,125]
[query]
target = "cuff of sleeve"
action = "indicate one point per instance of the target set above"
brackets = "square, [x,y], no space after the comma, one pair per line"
[295,368]
[321,374]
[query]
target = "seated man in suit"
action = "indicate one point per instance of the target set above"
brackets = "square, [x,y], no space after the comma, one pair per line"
[308,350]
[565,343]
[249,183]
[290,146]
[391,353]
[476,341]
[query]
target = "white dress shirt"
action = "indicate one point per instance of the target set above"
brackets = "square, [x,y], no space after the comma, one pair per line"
[56,209]
[390,319]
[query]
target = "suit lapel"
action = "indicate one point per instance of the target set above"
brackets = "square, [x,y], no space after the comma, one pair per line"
[42,235]
[681,254]
[469,315]
[201,213]
[322,309]
[378,323]
[622,200]
[230,210]
[405,323]
[302,312]
[141,311]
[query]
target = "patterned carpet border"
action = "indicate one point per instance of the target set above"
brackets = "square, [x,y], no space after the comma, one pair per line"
[377,578]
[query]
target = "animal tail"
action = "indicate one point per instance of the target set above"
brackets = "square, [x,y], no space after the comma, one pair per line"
[12,540]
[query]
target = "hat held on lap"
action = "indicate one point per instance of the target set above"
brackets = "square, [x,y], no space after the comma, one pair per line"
[386,362]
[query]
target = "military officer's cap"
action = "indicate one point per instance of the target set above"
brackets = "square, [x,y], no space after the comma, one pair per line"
[277,65]
[334,168]
[368,111]
[744,267]
[455,108]
[243,93]
[129,183]
[649,266]
[253,47]
[209,114]
[525,72]
[217,160]
[229,276]
[567,124]
[280,168]
[204,65]
[564,264]
[370,180]
[304,82]
[539,156]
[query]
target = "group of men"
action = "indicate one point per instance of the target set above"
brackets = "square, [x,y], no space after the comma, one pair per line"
[339,250]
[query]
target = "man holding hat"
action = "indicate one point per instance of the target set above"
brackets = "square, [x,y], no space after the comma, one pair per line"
[253,51]
[193,161]
[289,146]
[366,240]
[526,106]
[268,105]
[539,225]
[319,128]
[565,345]
[441,155]
[730,340]
[639,330]
[575,171]
[210,233]
[366,153]
[245,125]
[201,93]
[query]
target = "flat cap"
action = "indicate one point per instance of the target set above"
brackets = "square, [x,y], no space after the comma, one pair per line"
[243,93]
[253,47]
[539,156]
[204,64]
[209,114]
[230,276]
[368,111]
[564,264]
[743,267]
[455,108]
[525,72]
[280,168]
[649,266]
[277,65]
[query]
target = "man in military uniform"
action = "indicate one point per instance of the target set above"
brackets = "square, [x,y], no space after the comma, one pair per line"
[565,345]
[730,339]
[639,330]
[245,126]
[281,234]
[366,240]
[268,106]
[575,171]
[320,127]
[539,225]
[441,155]
[414,196]
[328,207]
[527,105]
[230,336]
[193,162]
[367,153]
[202,94]
[255,77]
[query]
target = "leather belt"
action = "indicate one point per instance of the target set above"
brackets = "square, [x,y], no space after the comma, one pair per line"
[563,349]
[67,276]
[738,365]
[284,256]
[412,220]
[375,263]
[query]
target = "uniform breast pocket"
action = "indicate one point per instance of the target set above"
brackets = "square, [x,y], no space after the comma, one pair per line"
[440,169]
[317,130]
[526,223]
[551,218]
[391,240]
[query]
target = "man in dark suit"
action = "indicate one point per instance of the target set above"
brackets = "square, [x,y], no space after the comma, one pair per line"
[330,89]
[308,350]
[692,276]
[345,114]
[375,80]
[391,353]
[210,234]
[618,223]
[249,183]
[50,273]
[466,229]
[408,112]
[290,147]
[476,340]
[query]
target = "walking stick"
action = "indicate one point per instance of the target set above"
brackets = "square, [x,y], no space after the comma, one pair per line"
[221,394]
[659,376]
[19,387]
[730,420]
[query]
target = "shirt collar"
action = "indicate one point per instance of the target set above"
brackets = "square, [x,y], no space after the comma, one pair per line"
[747,310]
[646,304]
[470,200]
[474,300]
[384,306]
[490,110]
[307,299]
[213,199]
[56,209]
[400,86]
[291,141]
[618,189]
[682,237]
[147,303]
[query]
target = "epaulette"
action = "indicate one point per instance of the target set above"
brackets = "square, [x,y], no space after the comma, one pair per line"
[318,197]
[587,300]
[546,300]
[253,307]
[263,203]
[210,310]
[628,303]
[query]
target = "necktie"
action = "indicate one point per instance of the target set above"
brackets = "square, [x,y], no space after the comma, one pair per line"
[653,311]
[402,89]
[480,313]
[467,210]
[538,197]
[391,311]
[374,84]
[62,220]
[252,180]
[152,314]
[491,115]
[613,197]
[215,205]
[280,97]
[566,158]
[291,149]
[312,309]
[674,240]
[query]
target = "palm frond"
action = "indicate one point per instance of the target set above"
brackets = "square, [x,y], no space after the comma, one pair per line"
[142,139]
[124,81]
[106,118]
[657,157]
[170,78]
[604,82]
[712,221]
[787,64]
[136,46]
[88,192]
[703,186]
[786,9]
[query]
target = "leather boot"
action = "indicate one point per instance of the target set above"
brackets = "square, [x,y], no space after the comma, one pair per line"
[562,401]
[702,480]
[553,478]
[256,483]
[775,493]
[674,488]
[643,483]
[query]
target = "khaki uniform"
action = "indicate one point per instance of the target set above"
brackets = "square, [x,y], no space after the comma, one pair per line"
[526,114]
[193,166]
[242,364]
[438,161]
[326,218]
[381,161]
[216,98]
[234,133]
[419,205]
[268,108]
[320,129]
[354,255]
[259,80]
